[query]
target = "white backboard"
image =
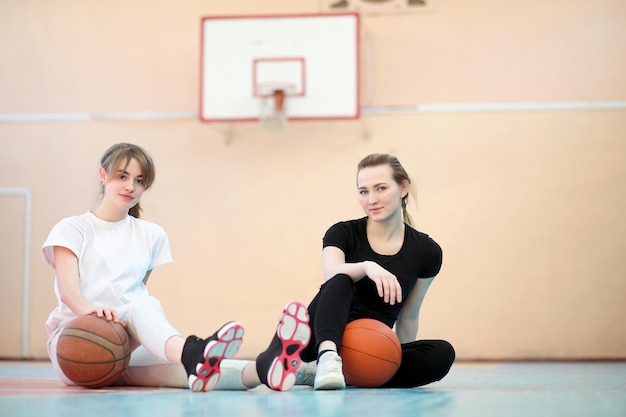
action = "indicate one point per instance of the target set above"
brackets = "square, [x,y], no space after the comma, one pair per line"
[317,55]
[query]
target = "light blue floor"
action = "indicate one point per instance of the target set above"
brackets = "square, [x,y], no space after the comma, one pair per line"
[482,390]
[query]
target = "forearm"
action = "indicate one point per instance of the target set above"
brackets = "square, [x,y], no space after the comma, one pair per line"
[72,297]
[355,270]
[406,329]
[67,276]
[408,320]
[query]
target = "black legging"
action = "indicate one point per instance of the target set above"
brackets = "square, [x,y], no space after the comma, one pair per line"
[423,361]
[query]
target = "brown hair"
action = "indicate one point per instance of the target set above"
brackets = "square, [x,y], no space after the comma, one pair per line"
[399,175]
[123,153]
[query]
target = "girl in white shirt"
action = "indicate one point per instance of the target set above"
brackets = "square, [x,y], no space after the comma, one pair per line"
[102,260]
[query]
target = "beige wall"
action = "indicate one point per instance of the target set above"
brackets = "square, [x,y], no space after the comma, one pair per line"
[528,205]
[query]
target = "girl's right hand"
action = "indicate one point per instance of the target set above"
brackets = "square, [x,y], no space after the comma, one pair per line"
[386,283]
[108,314]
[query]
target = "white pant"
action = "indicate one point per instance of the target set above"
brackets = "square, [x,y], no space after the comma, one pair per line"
[149,331]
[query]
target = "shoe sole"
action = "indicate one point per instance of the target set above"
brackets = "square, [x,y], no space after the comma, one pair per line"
[294,334]
[227,342]
[330,385]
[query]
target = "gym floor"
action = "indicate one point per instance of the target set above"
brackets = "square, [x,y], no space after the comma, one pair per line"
[572,389]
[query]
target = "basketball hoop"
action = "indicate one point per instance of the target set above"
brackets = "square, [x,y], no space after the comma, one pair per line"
[273,103]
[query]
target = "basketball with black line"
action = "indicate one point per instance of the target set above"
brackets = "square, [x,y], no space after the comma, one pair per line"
[371,353]
[93,352]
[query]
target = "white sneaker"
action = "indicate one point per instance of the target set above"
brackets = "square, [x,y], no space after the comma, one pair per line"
[329,375]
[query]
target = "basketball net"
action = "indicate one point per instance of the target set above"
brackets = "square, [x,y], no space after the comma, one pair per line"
[273,114]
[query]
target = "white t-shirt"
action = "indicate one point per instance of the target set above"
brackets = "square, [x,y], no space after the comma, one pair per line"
[113,259]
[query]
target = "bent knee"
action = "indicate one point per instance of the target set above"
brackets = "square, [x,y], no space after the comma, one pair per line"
[446,356]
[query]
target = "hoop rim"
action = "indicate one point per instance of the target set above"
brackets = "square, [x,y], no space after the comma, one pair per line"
[266,89]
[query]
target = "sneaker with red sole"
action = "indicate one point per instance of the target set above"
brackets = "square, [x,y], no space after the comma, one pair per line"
[202,357]
[277,366]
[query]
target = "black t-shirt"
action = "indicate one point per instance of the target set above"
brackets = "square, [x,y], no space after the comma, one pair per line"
[419,257]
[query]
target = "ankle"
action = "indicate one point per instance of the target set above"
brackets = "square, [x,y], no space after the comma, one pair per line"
[324,352]
[249,376]
[189,349]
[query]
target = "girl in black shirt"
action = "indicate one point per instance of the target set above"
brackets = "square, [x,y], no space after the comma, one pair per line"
[377,267]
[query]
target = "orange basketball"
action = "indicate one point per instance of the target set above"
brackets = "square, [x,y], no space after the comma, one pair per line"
[93,352]
[371,353]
